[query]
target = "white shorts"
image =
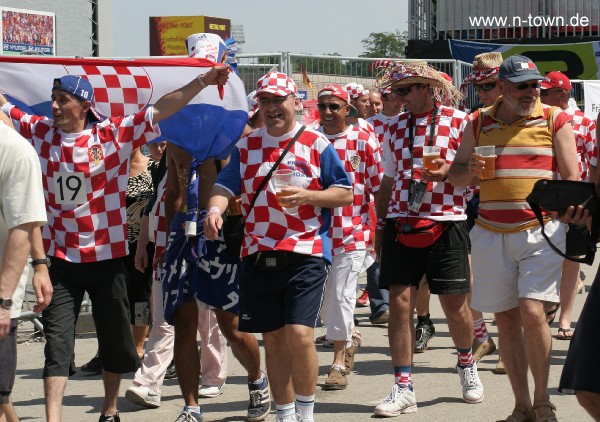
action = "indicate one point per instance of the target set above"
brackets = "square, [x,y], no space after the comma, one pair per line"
[340,295]
[509,266]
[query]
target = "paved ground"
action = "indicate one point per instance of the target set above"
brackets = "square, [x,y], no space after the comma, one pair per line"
[436,383]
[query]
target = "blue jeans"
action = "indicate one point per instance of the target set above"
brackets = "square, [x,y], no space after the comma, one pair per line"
[379,298]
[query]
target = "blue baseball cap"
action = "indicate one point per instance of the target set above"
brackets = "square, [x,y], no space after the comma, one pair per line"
[519,69]
[80,88]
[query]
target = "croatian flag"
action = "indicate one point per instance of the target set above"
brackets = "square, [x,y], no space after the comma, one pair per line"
[207,127]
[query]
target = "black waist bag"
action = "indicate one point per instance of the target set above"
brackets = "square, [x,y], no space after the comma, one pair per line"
[233,233]
[558,195]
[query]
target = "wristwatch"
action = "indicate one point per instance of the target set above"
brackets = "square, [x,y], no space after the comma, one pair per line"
[6,303]
[42,261]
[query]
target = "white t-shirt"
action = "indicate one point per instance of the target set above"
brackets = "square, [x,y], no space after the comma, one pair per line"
[21,195]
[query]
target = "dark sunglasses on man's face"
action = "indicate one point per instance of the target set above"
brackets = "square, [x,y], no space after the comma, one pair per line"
[332,106]
[544,92]
[403,90]
[485,87]
[534,85]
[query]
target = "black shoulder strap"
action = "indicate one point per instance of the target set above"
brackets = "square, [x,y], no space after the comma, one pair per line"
[594,233]
[270,173]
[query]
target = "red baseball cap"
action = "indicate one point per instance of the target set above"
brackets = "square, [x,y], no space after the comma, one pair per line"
[339,92]
[556,80]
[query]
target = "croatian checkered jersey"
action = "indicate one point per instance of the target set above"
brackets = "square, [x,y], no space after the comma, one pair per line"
[442,201]
[380,123]
[269,226]
[366,126]
[584,129]
[85,179]
[351,229]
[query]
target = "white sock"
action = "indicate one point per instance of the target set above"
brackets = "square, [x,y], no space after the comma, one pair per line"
[305,406]
[284,410]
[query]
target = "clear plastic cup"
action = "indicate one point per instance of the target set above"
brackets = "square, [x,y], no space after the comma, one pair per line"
[488,154]
[430,153]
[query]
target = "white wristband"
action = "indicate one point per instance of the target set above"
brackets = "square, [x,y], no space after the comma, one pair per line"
[215,210]
[200,79]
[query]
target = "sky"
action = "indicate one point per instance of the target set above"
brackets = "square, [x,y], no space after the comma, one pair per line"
[302,26]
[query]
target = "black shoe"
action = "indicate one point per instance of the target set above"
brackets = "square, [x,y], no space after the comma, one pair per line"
[171,372]
[92,367]
[424,331]
[110,418]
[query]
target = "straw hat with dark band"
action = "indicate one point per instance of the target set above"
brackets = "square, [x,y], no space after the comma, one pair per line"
[485,68]
[417,72]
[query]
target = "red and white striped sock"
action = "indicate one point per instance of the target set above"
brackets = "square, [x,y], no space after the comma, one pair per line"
[465,357]
[480,330]
[403,375]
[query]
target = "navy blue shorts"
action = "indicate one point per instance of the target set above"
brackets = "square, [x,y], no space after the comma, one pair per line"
[445,263]
[270,300]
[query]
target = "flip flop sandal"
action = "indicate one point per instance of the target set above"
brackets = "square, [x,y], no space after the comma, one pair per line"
[564,334]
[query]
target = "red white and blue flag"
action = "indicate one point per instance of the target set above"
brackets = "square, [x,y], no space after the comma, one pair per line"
[207,127]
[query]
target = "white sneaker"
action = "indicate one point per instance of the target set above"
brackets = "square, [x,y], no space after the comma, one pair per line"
[143,396]
[401,400]
[209,392]
[471,385]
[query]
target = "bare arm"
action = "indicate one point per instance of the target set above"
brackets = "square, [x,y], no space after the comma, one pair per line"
[592,174]
[566,153]
[14,260]
[466,167]
[219,198]
[331,197]
[382,201]
[41,277]
[5,119]
[3,99]
[172,102]
[141,255]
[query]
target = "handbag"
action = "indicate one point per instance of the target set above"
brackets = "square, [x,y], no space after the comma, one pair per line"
[558,195]
[421,234]
[233,224]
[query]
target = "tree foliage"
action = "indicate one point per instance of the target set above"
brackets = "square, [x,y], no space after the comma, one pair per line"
[385,44]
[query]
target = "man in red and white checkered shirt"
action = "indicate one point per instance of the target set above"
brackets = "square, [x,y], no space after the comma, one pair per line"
[556,91]
[351,231]
[286,252]
[392,106]
[421,228]
[85,163]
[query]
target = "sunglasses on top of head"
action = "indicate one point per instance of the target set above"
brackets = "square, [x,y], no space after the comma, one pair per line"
[485,87]
[332,106]
[534,85]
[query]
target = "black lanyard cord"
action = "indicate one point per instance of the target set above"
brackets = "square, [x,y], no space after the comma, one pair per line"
[411,138]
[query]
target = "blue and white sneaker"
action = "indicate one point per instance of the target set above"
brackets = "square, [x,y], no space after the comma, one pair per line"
[187,416]
[260,401]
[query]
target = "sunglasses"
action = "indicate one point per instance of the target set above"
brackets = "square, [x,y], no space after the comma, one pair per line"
[534,85]
[485,87]
[545,92]
[332,106]
[277,101]
[403,90]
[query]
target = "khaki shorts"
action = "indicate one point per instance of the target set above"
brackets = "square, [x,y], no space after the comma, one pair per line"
[510,266]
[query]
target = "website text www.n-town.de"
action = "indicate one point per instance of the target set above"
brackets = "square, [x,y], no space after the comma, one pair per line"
[529,20]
